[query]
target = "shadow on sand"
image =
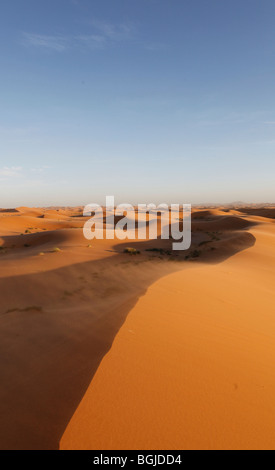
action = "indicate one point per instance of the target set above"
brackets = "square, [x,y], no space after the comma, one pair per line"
[51,346]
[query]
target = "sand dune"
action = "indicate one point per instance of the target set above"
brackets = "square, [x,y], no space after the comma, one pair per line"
[261,212]
[62,311]
[192,366]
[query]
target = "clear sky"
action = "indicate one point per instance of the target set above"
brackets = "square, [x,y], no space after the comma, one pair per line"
[148,100]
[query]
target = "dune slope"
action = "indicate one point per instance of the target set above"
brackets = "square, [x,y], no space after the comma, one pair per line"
[63,301]
[193,365]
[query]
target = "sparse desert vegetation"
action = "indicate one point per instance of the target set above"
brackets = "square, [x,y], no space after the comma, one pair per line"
[131,251]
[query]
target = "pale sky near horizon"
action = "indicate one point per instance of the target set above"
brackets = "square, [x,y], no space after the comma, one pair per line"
[146,100]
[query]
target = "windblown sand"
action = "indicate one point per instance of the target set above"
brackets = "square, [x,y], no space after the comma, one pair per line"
[104,350]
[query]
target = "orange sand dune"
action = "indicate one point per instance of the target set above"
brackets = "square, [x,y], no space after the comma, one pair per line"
[19,224]
[268,212]
[193,365]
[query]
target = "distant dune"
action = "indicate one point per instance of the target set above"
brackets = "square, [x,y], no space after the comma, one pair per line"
[101,349]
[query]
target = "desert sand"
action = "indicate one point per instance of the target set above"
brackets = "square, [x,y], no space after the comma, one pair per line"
[101,349]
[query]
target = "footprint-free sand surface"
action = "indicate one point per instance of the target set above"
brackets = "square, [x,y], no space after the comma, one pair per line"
[105,350]
[193,365]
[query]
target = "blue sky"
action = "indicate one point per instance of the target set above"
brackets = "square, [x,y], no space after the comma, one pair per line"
[148,100]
